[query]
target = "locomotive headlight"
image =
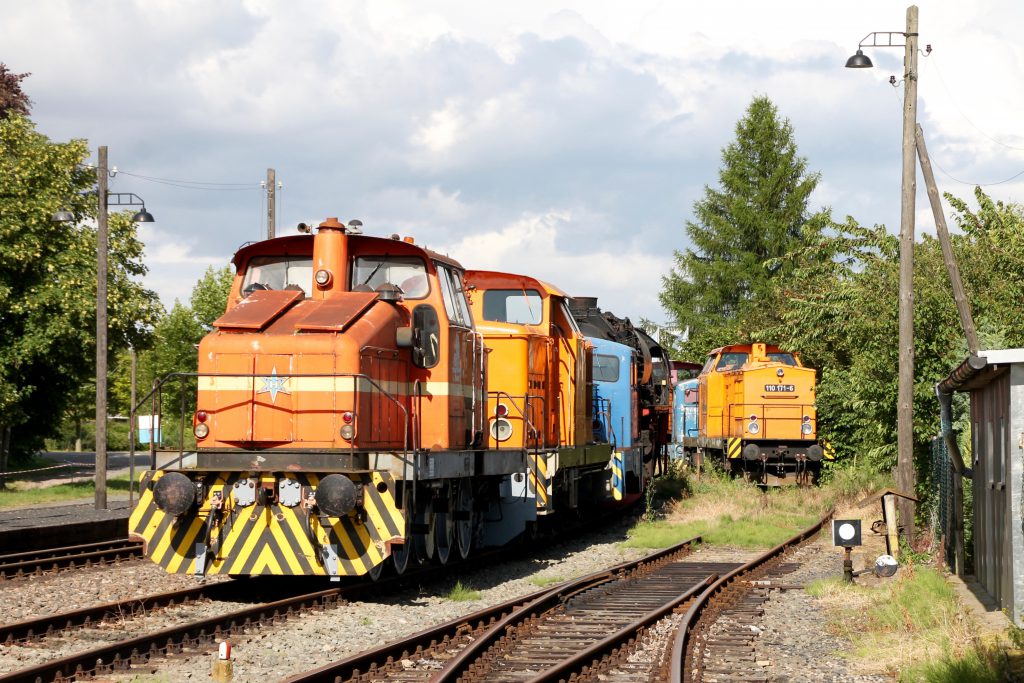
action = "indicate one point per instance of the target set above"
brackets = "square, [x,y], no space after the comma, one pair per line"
[806,428]
[323,277]
[501,429]
[201,430]
[753,428]
[780,372]
[348,425]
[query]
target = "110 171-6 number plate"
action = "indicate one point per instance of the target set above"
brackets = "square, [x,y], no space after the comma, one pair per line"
[779,388]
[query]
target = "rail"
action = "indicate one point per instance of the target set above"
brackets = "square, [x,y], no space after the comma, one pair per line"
[686,652]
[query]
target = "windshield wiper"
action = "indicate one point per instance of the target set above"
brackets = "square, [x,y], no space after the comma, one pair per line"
[373,272]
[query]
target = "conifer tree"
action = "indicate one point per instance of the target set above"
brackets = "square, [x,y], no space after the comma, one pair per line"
[739,233]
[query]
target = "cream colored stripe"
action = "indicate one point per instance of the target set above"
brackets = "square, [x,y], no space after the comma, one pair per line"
[292,385]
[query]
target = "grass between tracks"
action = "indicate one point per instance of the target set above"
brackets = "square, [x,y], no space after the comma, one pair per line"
[727,511]
[18,494]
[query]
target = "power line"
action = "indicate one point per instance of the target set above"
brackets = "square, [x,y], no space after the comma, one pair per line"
[935,67]
[195,185]
[958,180]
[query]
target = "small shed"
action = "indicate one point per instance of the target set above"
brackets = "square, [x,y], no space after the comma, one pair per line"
[995,381]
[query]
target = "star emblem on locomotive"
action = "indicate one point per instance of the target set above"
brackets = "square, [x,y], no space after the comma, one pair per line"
[274,385]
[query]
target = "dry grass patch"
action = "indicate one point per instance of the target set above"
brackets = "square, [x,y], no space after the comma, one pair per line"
[912,626]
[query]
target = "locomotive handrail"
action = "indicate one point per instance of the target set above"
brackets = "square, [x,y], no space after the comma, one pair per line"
[156,395]
[523,413]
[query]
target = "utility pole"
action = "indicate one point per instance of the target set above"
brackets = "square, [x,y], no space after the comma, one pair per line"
[271,203]
[101,331]
[905,479]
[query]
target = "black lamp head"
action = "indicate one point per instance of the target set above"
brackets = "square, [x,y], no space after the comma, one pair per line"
[143,216]
[859,61]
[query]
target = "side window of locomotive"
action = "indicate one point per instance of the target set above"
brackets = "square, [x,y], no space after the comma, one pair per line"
[709,364]
[731,361]
[689,396]
[450,293]
[784,358]
[517,306]
[567,314]
[406,272]
[606,368]
[278,272]
[460,298]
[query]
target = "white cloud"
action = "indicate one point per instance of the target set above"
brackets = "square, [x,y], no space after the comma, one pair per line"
[568,140]
[624,280]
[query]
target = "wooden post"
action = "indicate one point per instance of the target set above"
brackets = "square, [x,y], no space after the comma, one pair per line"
[956,523]
[892,539]
[271,203]
[102,246]
[905,476]
[5,445]
[963,306]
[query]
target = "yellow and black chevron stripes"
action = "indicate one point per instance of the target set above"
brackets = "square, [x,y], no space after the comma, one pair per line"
[540,480]
[618,480]
[830,450]
[272,539]
[735,447]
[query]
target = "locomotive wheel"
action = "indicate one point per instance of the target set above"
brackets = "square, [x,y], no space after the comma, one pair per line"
[400,554]
[428,541]
[442,534]
[465,528]
[375,572]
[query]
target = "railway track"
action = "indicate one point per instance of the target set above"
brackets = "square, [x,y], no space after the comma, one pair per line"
[582,626]
[624,624]
[715,641]
[38,562]
[276,598]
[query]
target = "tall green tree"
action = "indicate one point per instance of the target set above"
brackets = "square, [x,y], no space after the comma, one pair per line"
[839,307]
[172,345]
[739,233]
[48,281]
[210,295]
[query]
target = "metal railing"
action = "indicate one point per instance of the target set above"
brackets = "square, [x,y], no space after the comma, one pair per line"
[155,399]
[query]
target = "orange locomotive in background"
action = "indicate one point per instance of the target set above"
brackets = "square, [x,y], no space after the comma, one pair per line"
[542,363]
[757,411]
[343,417]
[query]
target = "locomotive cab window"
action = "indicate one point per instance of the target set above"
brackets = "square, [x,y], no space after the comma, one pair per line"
[732,361]
[517,306]
[784,358]
[278,272]
[406,272]
[606,368]
[454,296]
[709,364]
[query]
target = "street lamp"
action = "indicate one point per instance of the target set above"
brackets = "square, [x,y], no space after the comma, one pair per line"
[104,199]
[905,401]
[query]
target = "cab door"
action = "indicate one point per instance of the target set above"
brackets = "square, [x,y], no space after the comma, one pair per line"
[464,352]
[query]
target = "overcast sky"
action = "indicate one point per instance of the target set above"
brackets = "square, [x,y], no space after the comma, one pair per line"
[567,140]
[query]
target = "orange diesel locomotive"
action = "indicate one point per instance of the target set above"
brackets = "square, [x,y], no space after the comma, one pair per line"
[344,417]
[757,411]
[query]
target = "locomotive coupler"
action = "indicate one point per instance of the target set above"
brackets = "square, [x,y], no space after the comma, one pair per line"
[213,519]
